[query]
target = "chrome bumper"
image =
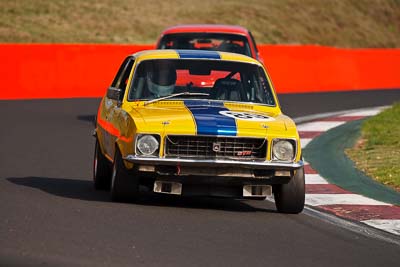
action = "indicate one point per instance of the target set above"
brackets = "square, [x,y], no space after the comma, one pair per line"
[215,163]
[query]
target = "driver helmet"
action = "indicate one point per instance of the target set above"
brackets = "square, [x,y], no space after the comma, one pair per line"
[161,81]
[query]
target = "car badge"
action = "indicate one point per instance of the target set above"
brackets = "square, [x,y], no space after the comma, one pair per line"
[244,153]
[216,147]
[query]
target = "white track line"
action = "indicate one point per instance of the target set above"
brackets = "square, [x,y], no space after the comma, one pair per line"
[392,226]
[340,199]
[319,126]
[315,179]
[366,113]
[304,142]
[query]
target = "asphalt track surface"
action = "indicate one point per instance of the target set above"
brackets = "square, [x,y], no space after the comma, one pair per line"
[50,215]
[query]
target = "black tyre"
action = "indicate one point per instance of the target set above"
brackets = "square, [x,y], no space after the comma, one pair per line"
[101,170]
[290,197]
[258,198]
[124,184]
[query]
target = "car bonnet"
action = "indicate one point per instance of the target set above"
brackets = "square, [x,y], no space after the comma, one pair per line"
[200,117]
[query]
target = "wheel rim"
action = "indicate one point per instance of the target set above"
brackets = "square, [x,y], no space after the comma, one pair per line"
[114,174]
[95,164]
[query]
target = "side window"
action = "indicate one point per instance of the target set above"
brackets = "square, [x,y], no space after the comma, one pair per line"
[119,73]
[121,79]
[125,76]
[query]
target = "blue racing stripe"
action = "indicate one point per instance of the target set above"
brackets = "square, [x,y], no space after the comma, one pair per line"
[198,54]
[208,119]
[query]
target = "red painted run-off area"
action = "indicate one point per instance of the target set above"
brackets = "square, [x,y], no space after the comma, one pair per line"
[82,70]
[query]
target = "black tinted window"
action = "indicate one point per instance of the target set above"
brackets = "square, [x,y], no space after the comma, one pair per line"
[207,41]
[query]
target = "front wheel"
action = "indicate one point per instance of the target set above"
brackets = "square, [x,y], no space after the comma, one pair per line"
[124,184]
[101,169]
[290,197]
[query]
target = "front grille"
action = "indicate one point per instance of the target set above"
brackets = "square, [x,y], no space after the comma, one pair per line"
[208,147]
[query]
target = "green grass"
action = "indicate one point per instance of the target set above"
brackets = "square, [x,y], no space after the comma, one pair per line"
[342,23]
[377,153]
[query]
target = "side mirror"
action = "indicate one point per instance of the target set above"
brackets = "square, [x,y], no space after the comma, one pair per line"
[114,93]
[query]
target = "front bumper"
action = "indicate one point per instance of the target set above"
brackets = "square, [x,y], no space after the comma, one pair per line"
[215,163]
[226,178]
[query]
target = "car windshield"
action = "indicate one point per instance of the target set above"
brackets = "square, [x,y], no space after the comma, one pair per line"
[201,79]
[207,41]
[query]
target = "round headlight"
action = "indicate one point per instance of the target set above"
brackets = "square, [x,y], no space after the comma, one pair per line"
[283,150]
[147,145]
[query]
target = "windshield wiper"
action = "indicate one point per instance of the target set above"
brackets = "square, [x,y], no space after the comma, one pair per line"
[174,95]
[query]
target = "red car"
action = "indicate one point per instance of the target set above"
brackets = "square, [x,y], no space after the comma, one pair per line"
[215,37]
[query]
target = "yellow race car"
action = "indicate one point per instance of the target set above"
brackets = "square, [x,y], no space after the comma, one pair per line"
[196,123]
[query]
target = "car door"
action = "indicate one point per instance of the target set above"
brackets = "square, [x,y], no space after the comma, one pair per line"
[112,105]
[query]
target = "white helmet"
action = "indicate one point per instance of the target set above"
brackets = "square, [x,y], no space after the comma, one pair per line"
[161,82]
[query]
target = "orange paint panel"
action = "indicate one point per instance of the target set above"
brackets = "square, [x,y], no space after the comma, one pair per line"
[59,70]
[302,69]
[85,70]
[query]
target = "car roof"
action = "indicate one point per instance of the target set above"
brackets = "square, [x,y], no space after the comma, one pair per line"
[213,28]
[193,54]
